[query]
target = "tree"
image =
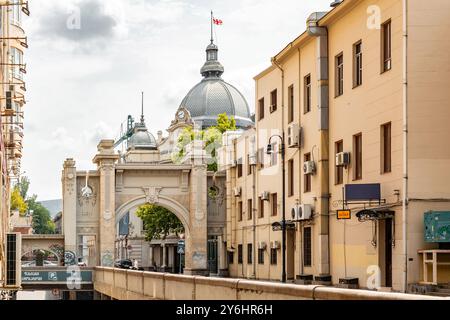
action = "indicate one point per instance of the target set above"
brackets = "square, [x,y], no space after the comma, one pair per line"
[42,222]
[159,222]
[17,201]
[24,185]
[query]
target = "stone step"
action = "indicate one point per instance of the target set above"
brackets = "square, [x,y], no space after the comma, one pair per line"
[438,294]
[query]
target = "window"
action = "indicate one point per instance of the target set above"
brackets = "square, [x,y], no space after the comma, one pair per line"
[357,151]
[261,158]
[249,166]
[357,64]
[307,177]
[386,46]
[249,209]
[249,253]
[307,93]
[261,109]
[16,59]
[273,256]
[274,203]
[230,257]
[386,148]
[16,12]
[239,168]
[274,154]
[261,207]
[260,256]
[291,178]
[273,101]
[291,104]
[240,211]
[339,171]
[307,246]
[240,254]
[339,75]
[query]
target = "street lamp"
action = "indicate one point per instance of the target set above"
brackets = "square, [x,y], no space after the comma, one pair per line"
[283,209]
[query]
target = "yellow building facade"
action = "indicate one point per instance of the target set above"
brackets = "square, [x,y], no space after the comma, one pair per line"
[361,98]
[12,94]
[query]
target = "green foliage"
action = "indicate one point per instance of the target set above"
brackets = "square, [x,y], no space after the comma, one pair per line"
[17,202]
[211,138]
[24,185]
[159,222]
[42,222]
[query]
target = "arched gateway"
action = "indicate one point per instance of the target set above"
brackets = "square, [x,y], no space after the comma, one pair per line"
[95,203]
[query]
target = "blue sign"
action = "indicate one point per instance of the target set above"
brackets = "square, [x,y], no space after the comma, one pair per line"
[181,247]
[363,192]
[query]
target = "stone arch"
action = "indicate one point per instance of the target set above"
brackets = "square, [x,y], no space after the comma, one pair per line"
[174,206]
[32,250]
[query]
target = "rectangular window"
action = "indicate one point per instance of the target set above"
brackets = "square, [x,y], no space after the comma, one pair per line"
[260,256]
[386,46]
[273,101]
[16,59]
[307,93]
[239,211]
[249,166]
[307,177]
[249,253]
[273,256]
[339,75]
[239,168]
[261,158]
[357,151]
[249,209]
[386,148]
[274,154]
[291,104]
[261,207]
[274,204]
[16,12]
[240,254]
[291,178]
[339,171]
[307,246]
[261,109]
[357,64]
[230,257]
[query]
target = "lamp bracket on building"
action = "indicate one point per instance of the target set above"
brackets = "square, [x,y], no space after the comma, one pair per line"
[23,4]
[22,40]
[277,226]
[375,214]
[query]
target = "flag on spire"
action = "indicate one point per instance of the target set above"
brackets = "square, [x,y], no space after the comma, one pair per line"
[217,22]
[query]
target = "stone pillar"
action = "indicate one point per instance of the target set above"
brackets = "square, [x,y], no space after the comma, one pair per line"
[164,258]
[150,257]
[105,160]
[69,218]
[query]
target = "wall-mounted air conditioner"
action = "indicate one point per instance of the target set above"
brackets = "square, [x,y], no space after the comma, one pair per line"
[301,212]
[294,135]
[343,159]
[262,245]
[309,167]
[275,245]
[265,196]
[237,191]
[253,159]
[273,108]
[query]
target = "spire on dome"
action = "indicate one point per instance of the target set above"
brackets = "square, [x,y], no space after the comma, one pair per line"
[212,67]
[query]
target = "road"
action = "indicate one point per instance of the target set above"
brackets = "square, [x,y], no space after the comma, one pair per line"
[36,295]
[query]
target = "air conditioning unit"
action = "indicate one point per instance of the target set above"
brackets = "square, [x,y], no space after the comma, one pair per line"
[237,191]
[253,159]
[273,108]
[265,196]
[234,163]
[262,245]
[301,212]
[343,159]
[13,260]
[294,136]
[275,245]
[309,167]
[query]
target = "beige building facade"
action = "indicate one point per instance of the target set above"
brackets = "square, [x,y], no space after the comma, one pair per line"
[368,81]
[12,95]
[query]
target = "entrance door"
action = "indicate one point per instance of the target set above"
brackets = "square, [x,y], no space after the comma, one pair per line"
[290,255]
[212,255]
[388,251]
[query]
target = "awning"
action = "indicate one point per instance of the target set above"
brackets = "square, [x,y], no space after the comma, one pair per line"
[375,214]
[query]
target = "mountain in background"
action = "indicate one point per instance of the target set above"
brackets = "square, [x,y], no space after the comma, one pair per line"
[54,206]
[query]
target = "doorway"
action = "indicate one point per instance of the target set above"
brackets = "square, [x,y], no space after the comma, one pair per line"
[212,255]
[290,255]
[385,251]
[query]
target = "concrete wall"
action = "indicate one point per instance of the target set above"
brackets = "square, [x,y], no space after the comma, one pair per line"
[139,285]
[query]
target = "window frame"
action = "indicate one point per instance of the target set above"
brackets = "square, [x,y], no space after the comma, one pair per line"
[386,55]
[249,209]
[307,178]
[307,93]
[249,253]
[339,75]
[307,247]
[291,103]
[386,147]
[273,100]
[291,178]
[273,257]
[339,171]
[261,109]
[357,64]
[240,254]
[358,156]
[274,204]
[261,253]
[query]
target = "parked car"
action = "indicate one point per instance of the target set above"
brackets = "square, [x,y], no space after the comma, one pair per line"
[123,264]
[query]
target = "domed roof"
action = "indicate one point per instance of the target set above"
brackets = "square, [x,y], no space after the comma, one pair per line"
[213,96]
[142,139]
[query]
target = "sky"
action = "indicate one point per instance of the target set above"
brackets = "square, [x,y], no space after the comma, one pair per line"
[89,60]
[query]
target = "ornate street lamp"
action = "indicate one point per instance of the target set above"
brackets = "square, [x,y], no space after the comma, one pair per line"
[282,151]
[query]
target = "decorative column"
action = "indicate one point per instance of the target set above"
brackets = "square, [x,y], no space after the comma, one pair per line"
[69,218]
[105,160]
[152,263]
[163,262]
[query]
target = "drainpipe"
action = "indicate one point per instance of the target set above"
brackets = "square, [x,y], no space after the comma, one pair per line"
[405,146]
[321,34]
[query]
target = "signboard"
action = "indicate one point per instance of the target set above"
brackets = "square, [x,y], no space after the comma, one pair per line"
[181,246]
[363,192]
[57,276]
[344,214]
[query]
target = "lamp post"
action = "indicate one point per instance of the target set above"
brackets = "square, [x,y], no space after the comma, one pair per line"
[283,209]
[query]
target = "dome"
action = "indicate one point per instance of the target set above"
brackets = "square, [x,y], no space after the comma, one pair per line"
[213,96]
[142,139]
